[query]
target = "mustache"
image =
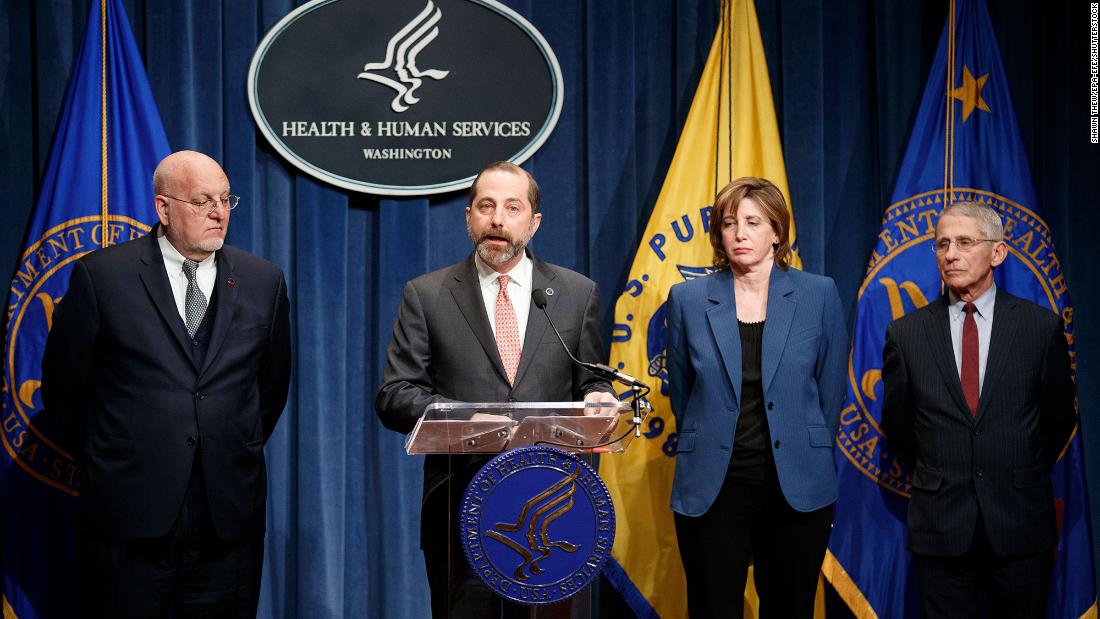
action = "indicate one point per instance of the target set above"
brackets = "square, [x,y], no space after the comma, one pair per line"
[498,233]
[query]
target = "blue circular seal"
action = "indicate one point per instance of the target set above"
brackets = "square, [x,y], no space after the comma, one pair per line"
[41,279]
[537,525]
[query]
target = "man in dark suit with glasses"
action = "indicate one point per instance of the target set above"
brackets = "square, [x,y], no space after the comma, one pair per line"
[169,362]
[978,398]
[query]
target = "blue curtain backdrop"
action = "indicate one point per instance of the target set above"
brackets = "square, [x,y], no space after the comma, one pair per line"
[846,75]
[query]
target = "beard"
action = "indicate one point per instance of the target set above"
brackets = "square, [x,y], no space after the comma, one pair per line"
[494,256]
[209,245]
[204,246]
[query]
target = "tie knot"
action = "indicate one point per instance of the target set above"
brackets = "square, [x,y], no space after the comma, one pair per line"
[504,279]
[190,267]
[969,307]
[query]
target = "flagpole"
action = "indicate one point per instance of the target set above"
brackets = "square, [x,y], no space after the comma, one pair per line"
[105,236]
[947,102]
[723,67]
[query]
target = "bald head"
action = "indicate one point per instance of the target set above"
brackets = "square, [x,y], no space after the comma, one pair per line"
[183,182]
[180,164]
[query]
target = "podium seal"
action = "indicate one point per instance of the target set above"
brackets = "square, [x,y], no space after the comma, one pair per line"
[537,525]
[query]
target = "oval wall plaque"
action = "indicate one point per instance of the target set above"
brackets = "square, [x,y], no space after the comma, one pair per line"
[404,97]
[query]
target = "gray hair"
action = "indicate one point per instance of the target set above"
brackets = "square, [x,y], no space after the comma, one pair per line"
[989,223]
[160,178]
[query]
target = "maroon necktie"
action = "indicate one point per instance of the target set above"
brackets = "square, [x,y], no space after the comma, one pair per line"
[970,359]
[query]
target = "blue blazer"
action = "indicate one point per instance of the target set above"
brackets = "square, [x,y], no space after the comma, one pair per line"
[803,368]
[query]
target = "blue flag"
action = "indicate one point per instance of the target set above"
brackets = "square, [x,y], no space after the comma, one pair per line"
[965,145]
[97,191]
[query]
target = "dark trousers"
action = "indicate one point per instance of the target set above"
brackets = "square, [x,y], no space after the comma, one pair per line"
[982,583]
[753,523]
[188,573]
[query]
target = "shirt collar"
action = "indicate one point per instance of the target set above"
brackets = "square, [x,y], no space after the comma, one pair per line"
[983,305]
[521,273]
[173,259]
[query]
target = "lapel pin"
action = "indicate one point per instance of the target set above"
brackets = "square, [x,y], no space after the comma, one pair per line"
[549,292]
[231,281]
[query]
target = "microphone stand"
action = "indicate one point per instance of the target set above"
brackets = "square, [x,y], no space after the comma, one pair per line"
[638,388]
[636,406]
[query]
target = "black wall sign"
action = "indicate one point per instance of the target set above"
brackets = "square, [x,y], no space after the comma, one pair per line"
[404,97]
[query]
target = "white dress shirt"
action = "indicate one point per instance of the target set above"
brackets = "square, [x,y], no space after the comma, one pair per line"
[205,275]
[983,317]
[519,291]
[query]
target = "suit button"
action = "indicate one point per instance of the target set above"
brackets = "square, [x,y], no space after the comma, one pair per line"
[190,441]
[200,396]
[978,473]
[771,405]
[777,444]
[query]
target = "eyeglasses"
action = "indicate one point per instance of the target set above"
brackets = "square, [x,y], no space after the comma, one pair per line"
[963,244]
[207,206]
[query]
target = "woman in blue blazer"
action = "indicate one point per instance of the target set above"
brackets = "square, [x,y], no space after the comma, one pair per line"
[757,356]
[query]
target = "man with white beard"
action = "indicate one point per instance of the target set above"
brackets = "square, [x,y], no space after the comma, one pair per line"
[168,364]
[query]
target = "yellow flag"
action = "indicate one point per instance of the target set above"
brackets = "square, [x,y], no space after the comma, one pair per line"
[730,132]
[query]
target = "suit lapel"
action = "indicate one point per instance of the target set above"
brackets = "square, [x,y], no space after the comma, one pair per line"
[777,326]
[225,287]
[466,291]
[722,318]
[1000,344]
[541,278]
[937,328]
[155,280]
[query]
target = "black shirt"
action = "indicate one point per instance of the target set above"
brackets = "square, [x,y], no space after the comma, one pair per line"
[751,460]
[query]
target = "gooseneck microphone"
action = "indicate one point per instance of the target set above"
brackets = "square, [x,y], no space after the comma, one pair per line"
[540,300]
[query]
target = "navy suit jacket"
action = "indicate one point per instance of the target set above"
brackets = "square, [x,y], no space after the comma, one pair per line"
[803,368]
[998,463]
[118,372]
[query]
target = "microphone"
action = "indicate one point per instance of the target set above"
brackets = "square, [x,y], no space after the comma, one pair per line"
[603,371]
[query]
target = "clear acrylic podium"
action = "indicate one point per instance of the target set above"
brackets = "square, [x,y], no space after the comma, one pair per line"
[466,435]
[494,427]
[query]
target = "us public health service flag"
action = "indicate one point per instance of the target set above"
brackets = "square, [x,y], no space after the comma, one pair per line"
[730,132]
[97,191]
[965,144]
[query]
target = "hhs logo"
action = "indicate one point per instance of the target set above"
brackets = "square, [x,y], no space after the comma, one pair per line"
[537,525]
[401,53]
[538,512]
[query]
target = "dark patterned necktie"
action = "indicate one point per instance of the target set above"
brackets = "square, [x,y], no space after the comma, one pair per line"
[969,374]
[194,303]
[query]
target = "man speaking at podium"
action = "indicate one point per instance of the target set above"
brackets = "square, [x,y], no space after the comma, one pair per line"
[468,333]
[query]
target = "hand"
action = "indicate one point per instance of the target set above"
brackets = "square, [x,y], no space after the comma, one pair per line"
[599,397]
[489,417]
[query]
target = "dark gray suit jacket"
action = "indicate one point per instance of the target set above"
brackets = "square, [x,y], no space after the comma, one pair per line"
[443,349]
[119,373]
[997,464]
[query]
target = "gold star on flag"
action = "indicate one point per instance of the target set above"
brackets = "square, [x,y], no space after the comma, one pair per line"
[970,93]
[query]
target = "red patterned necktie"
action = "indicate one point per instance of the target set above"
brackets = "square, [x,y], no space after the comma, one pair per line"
[507,331]
[970,359]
